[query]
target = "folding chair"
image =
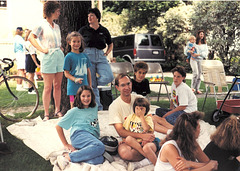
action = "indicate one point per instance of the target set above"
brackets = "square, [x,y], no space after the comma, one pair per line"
[120,67]
[155,68]
[214,76]
[1,134]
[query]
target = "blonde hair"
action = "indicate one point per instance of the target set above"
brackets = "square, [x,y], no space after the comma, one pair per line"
[191,37]
[227,135]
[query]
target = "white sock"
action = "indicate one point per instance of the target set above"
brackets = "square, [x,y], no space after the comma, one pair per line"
[145,162]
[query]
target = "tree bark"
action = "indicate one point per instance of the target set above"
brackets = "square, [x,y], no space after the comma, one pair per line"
[73,16]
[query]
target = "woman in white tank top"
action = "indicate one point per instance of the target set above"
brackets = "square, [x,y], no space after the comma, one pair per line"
[180,150]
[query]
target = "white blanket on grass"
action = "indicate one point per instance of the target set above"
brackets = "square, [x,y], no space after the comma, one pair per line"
[43,139]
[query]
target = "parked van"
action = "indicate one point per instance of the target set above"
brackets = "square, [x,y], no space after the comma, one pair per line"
[139,47]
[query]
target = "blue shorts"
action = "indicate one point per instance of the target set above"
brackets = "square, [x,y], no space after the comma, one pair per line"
[52,62]
[157,141]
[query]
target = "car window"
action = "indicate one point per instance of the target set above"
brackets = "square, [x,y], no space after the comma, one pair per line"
[118,42]
[156,41]
[129,40]
[143,40]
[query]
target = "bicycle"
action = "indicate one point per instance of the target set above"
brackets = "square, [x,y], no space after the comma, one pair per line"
[15,105]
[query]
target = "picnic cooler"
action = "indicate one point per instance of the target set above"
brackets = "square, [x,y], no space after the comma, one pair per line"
[106,97]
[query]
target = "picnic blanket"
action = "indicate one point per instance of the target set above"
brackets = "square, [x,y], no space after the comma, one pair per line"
[42,137]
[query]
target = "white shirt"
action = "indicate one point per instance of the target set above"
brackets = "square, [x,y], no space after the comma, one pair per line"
[50,37]
[184,96]
[166,166]
[120,110]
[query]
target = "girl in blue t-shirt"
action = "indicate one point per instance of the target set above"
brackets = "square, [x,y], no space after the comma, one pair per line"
[76,65]
[83,121]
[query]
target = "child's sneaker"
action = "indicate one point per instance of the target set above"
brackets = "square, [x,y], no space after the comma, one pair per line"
[133,166]
[136,165]
[62,162]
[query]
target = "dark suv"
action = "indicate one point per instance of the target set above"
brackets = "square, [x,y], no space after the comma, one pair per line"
[139,47]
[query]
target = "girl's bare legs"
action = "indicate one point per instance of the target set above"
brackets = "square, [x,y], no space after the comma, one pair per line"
[71,104]
[132,142]
[150,151]
[161,125]
[57,82]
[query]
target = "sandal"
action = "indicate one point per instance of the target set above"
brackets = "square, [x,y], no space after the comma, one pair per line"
[46,118]
[58,114]
[199,92]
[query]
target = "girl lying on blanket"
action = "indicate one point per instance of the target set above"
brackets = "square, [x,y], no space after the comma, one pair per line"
[180,150]
[83,121]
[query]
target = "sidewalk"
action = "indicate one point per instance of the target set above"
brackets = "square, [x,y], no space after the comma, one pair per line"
[155,87]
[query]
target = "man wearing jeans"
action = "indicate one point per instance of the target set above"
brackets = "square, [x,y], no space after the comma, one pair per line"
[96,37]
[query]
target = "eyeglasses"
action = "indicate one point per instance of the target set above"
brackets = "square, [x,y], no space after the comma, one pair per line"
[123,85]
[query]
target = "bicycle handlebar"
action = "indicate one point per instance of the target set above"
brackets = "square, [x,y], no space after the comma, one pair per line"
[9,62]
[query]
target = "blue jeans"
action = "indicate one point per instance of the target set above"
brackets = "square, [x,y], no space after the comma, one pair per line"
[170,118]
[101,66]
[89,148]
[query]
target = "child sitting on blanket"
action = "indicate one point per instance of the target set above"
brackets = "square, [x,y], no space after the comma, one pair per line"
[83,121]
[140,122]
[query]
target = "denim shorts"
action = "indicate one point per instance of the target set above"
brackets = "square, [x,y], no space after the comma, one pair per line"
[53,61]
[157,141]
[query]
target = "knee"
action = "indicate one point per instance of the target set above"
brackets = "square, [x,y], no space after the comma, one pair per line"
[128,139]
[100,147]
[48,90]
[107,78]
[149,148]
[106,75]
[57,86]
[124,153]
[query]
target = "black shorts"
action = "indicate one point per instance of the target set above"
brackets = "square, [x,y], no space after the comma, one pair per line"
[30,65]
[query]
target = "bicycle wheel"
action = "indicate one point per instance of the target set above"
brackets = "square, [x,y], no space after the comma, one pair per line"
[25,103]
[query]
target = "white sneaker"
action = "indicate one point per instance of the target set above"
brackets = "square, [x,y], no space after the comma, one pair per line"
[133,166]
[62,162]
[136,165]
[20,88]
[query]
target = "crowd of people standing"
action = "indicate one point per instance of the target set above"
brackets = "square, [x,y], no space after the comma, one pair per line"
[86,67]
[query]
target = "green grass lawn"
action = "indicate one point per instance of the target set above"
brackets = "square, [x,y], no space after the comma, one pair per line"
[23,158]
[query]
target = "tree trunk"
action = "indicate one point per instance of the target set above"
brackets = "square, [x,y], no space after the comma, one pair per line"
[73,17]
